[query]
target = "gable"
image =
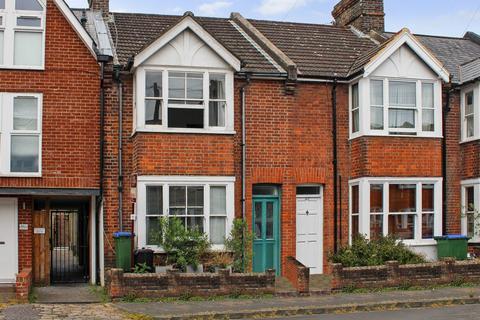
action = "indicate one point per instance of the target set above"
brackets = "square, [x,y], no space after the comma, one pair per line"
[404,63]
[187,49]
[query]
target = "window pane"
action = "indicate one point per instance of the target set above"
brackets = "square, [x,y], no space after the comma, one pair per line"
[376,198]
[355,120]
[376,226]
[216,113]
[403,198]
[427,225]
[427,120]
[177,196]
[24,154]
[258,220]
[269,221]
[153,84]
[218,230]
[195,196]
[176,86]
[154,200]
[185,118]
[470,193]
[401,118]
[355,199]
[376,118]
[25,113]
[29,22]
[1,47]
[469,102]
[194,88]
[308,190]
[217,86]
[428,198]
[402,226]
[427,95]
[218,201]
[260,190]
[470,126]
[471,224]
[153,111]
[153,230]
[32,5]
[28,49]
[195,223]
[2,4]
[376,93]
[403,94]
[355,226]
[355,99]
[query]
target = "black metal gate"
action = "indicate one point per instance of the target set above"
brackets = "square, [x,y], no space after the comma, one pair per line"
[69,246]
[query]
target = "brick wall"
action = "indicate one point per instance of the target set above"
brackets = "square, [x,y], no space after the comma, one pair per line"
[394,275]
[70,88]
[298,275]
[174,284]
[470,154]
[23,285]
[364,15]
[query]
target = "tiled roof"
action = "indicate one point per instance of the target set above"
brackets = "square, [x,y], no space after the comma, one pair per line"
[452,52]
[131,32]
[318,50]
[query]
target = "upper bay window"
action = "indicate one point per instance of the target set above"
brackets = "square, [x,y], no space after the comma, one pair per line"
[470,113]
[184,101]
[400,107]
[20,134]
[22,34]
[408,209]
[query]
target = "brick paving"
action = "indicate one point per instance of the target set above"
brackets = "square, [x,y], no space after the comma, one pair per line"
[62,311]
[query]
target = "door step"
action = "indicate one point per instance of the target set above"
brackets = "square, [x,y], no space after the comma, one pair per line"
[7,292]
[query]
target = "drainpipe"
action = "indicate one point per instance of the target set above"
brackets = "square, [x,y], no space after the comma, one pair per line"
[335,166]
[103,59]
[120,147]
[243,93]
[446,110]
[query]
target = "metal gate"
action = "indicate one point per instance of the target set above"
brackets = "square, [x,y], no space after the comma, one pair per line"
[69,245]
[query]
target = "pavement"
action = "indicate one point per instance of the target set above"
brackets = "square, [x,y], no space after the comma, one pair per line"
[67,294]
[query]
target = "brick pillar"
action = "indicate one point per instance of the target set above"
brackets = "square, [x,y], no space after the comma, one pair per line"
[337,280]
[23,285]
[100,5]
[392,272]
[115,285]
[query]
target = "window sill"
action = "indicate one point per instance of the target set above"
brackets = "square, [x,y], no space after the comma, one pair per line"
[20,175]
[419,243]
[20,68]
[159,250]
[386,135]
[188,131]
[471,139]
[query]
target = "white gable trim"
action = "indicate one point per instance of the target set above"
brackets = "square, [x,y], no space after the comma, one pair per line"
[77,26]
[190,23]
[405,37]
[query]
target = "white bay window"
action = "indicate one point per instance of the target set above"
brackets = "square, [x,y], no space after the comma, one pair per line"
[471,209]
[202,203]
[470,112]
[179,100]
[407,208]
[20,134]
[22,34]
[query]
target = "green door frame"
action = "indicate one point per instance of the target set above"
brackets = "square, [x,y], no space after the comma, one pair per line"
[276,231]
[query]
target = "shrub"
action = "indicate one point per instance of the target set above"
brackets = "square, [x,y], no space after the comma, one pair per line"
[376,252]
[239,242]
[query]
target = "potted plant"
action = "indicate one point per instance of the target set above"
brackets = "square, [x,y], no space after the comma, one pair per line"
[222,260]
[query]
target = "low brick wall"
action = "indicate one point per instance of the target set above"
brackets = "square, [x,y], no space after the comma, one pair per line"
[394,275]
[23,285]
[298,275]
[174,284]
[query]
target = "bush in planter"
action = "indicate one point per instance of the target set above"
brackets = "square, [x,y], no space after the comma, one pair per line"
[183,247]
[239,243]
[222,260]
[376,252]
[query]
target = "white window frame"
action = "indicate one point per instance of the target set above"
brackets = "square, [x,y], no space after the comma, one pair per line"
[475,183]
[352,109]
[6,132]
[365,109]
[475,88]
[139,85]
[364,206]
[9,27]
[166,181]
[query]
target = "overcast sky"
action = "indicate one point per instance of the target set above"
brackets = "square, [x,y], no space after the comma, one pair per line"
[438,17]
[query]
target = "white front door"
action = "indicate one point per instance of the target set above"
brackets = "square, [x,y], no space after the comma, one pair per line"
[8,240]
[310,228]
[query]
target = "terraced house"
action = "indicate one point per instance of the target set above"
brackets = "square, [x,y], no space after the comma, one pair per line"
[311,133]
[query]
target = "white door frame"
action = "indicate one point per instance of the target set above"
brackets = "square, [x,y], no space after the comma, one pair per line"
[320,227]
[15,209]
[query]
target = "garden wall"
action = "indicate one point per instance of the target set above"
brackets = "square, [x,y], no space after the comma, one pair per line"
[394,275]
[175,284]
[298,275]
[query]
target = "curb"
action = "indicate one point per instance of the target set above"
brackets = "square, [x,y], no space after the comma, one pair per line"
[311,310]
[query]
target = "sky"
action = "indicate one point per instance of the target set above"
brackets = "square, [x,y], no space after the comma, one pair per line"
[436,17]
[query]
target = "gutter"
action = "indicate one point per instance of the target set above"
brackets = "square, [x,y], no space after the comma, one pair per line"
[243,145]
[335,166]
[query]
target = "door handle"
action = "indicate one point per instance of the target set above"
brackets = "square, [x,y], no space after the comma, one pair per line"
[2,242]
[307,212]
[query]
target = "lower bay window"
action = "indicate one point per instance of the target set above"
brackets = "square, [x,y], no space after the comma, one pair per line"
[203,203]
[407,208]
[471,209]
[20,134]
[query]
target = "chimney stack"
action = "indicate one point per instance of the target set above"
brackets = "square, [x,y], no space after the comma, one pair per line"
[99,5]
[365,15]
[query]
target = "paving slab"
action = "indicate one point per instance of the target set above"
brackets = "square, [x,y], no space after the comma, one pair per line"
[279,306]
[67,294]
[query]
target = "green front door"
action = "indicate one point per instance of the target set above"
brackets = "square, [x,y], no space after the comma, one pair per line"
[266,227]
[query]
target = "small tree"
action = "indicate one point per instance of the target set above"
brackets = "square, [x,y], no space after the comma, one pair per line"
[240,242]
